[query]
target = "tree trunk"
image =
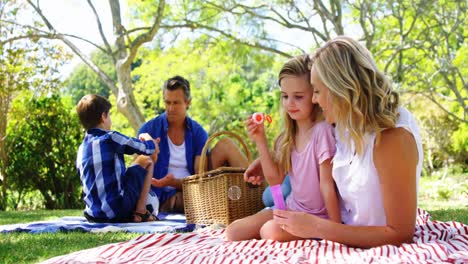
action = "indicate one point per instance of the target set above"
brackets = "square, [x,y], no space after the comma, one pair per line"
[126,102]
[4,105]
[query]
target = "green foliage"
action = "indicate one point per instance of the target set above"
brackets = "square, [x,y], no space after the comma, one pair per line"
[24,65]
[42,150]
[460,144]
[436,126]
[22,199]
[226,89]
[84,81]
[448,186]
[422,45]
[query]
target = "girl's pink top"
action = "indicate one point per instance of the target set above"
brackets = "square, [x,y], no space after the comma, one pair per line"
[305,177]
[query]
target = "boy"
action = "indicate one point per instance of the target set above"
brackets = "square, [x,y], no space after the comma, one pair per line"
[110,192]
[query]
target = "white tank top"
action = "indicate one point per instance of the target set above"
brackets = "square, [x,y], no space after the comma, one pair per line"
[357,180]
[177,161]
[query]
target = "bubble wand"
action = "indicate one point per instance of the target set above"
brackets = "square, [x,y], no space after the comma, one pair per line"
[260,118]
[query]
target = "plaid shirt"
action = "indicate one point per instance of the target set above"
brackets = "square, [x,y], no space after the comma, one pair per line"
[101,165]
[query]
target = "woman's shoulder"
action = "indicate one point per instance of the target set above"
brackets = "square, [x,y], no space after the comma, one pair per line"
[394,143]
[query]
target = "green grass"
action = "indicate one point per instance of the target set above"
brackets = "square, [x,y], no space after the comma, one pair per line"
[15,217]
[32,248]
[451,214]
[22,247]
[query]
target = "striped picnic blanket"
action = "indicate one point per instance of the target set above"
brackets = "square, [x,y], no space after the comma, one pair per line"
[434,242]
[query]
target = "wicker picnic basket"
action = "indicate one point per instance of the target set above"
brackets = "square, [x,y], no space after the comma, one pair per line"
[220,196]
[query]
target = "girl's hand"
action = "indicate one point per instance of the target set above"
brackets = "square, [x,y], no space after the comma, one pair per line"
[255,131]
[254,173]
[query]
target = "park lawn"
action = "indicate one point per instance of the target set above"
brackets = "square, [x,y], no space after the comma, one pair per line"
[22,247]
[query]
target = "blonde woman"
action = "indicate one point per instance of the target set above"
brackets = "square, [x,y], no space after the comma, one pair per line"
[304,149]
[379,153]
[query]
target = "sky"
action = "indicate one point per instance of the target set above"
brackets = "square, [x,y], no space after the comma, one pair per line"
[76,17]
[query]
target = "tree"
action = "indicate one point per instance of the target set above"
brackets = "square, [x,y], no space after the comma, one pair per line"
[423,45]
[23,66]
[83,80]
[43,150]
[122,53]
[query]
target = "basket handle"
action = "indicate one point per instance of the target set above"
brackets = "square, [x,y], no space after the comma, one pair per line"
[201,168]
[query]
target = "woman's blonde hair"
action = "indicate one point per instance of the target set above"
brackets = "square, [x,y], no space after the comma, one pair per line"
[363,98]
[298,66]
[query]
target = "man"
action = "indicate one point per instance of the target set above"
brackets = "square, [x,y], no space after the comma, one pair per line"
[182,140]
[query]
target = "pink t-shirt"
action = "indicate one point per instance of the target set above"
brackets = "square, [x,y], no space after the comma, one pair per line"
[305,172]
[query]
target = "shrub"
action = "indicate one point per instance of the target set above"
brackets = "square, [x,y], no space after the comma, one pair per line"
[42,140]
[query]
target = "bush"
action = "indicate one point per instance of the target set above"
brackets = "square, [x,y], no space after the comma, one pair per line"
[42,140]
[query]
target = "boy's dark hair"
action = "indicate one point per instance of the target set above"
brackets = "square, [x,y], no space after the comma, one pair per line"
[90,109]
[178,82]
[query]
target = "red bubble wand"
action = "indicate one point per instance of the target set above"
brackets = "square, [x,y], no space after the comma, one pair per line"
[260,118]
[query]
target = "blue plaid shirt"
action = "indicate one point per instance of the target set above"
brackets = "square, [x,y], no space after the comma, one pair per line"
[195,139]
[101,165]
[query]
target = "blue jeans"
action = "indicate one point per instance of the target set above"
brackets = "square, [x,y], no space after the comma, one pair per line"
[285,189]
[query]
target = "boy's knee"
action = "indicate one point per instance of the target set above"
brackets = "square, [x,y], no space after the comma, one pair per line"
[143,161]
[224,144]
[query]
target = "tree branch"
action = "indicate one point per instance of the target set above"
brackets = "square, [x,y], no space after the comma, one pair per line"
[54,35]
[435,101]
[194,25]
[98,21]
[148,36]
[281,21]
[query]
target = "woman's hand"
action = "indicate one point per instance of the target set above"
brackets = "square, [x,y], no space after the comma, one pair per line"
[299,224]
[254,173]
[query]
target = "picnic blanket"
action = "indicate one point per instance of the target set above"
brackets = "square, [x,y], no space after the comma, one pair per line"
[169,223]
[433,242]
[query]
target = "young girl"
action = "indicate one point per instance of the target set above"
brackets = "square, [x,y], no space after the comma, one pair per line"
[304,148]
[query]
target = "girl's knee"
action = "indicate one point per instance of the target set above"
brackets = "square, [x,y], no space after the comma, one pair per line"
[232,231]
[270,230]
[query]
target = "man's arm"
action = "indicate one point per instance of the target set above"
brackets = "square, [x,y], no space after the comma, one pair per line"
[168,180]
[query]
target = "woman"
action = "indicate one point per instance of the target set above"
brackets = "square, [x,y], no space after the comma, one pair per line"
[379,153]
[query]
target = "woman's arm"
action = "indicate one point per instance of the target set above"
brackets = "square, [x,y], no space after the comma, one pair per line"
[328,190]
[395,159]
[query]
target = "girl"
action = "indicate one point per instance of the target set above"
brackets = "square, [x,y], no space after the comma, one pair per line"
[379,153]
[304,149]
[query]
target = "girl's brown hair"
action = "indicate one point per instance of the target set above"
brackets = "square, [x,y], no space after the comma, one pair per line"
[298,66]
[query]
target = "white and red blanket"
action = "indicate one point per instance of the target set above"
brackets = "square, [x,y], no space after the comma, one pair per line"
[434,242]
